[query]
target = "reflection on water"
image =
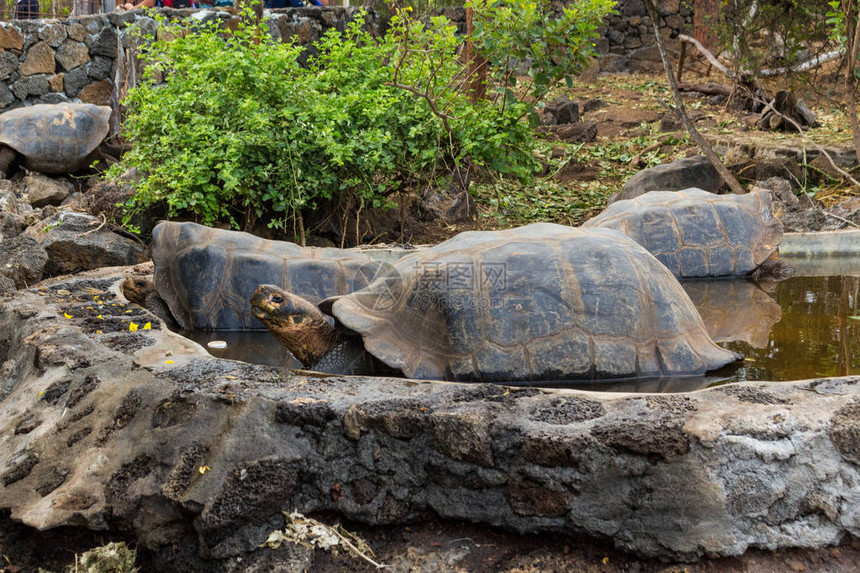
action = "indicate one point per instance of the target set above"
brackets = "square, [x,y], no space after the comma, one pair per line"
[735,310]
[804,327]
[819,334]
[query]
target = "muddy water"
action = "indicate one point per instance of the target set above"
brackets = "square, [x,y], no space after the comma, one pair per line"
[804,327]
[817,335]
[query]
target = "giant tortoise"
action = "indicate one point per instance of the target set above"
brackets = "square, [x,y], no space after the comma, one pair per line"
[540,302]
[52,138]
[698,234]
[206,276]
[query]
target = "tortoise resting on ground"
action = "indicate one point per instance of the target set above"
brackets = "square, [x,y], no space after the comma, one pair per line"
[697,234]
[540,302]
[52,138]
[206,276]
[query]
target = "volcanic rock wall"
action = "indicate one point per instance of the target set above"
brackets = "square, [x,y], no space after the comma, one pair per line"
[85,59]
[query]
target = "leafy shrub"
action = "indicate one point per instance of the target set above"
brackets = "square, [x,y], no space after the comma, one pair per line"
[239,130]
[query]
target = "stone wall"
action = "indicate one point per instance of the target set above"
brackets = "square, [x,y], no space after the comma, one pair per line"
[83,59]
[627,42]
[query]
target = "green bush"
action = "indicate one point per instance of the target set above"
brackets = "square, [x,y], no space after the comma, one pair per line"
[240,131]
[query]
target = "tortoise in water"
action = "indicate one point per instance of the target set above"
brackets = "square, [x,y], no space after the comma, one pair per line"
[52,138]
[540,302]
[697,234]
[206,276]
[139,288]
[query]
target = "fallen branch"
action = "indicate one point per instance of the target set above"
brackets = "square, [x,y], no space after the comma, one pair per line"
[804,66]
[710,57]
[637,159]
[838,218]
[97,229]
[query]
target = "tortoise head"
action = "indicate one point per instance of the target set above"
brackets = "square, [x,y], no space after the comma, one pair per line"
[294,322]
[137,287]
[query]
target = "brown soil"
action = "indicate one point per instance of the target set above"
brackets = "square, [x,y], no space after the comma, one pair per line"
[471,548]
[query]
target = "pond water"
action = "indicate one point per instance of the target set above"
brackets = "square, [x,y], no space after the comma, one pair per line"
[805,327]
[818,334]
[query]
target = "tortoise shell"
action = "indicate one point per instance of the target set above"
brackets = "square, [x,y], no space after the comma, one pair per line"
[540,302]
[55,138]
[206,276]
[697,234]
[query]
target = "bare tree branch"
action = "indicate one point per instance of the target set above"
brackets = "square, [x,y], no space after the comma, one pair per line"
[804,66]
[800,67]
[710,57]
[681,111]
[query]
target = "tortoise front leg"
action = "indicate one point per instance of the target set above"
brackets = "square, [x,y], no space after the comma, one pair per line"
[7,156]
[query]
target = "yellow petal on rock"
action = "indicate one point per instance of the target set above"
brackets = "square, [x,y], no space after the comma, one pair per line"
[99,332]
[147,326]
[203,469]
[132,326]
[168,361]
[67,315]
[100,316]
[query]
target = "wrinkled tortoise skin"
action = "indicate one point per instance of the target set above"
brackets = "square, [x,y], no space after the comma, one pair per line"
[540,302]
[55,138]
[698,234]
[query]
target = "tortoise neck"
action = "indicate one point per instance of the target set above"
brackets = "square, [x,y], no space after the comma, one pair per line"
[310,342]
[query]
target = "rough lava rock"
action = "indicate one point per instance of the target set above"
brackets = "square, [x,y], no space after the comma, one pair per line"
[141,434]
[43,190]
[63,242]
[77,241]
[22,262]
[694,171]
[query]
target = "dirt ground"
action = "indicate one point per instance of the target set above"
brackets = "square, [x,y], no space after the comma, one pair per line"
[458,547]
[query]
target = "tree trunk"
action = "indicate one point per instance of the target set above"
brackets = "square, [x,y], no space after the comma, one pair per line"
[852,41]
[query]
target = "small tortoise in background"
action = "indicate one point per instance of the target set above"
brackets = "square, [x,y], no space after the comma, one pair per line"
[206,276]
[698,234]
[52,138]
[540,302]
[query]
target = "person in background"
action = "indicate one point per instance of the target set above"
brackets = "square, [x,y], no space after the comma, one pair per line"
[159,3]
[274,4]
[27,10]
